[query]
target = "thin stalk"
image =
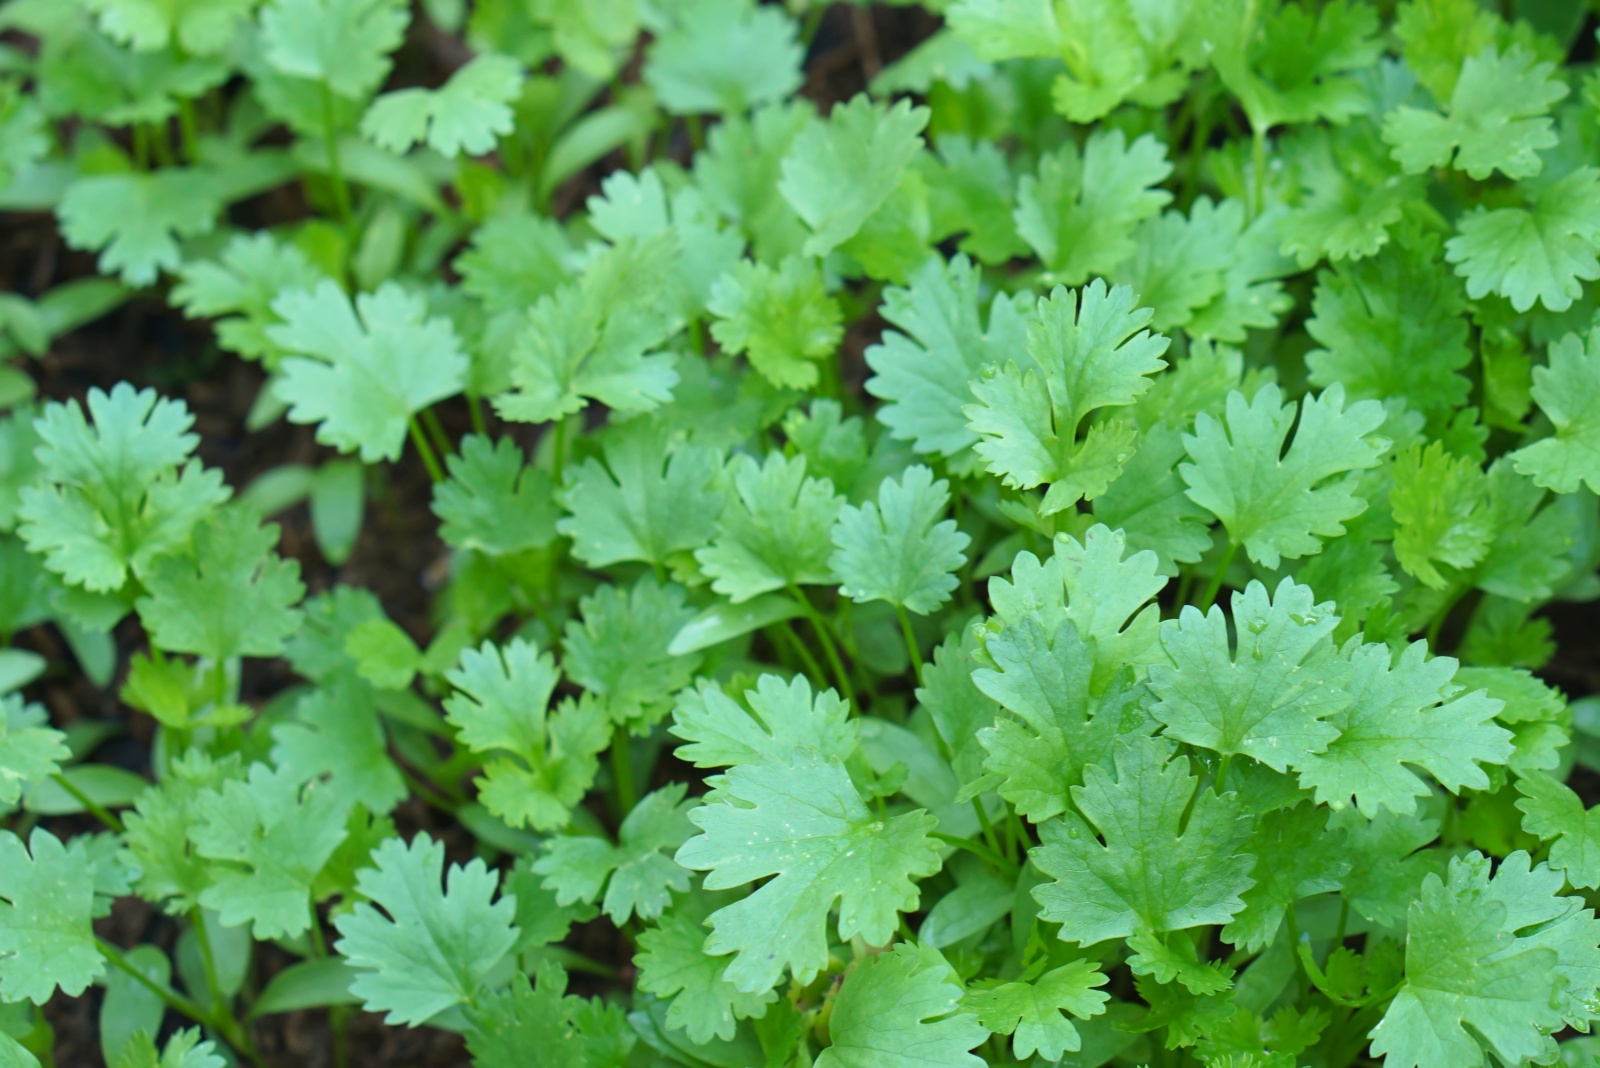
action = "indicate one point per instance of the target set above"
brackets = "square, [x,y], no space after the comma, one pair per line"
[429,795]
[475,409]
[989,836]
[696,128]
[436,434]
[1437,624]
[188,130]
[208,960]
[141,146]
[977,849]
[829,649]
[221,1022]
[911,642]
[1258,164]
[559,461]
[341,191]
[90,805]
[1215,585]
[429,460]
[807,658]
[622,772]
[1222,770]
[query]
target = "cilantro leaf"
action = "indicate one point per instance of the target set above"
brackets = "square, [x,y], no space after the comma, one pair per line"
[113,497]
[704,1004]
[1555,813]
[1267,699]
[465,115]
[724,56]
[28,753]
[1467,967]
[899,549]
[171,873]
[1539,253]
[782,320]
[1359,307]
[837,173]
[240,287]
[1567,391]
[619,650]
[1153,869]
[344,44]
[1274,503]
[971,192]
[783,718]
[652,499]
[135,220]
[1498,119]
[361,371]
[273,836]
[235,597]
[47,939]
[493,502]
[1288,64]
[202,27]
[924,373]
[803,821]
[502,704]
[183,1050]
[1034,1012]
[336,732]
[1092,350]
[635,874]
[1062,724]
[1441,512]
[436,945]
[592,339]
[902,1009]
[1297,856]
[773,531]
[1079,212]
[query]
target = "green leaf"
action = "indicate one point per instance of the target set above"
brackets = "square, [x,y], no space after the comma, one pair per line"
[1092,350]
[1164,864]
[619,651]
[652,499]
[1441,512]
[1080,211]
[135,220]
[431,947]
[509,1026]
[923,374]
[467,114]
[344,44]
[238,289]
[183,1050]
[1271,696]
[899,549]
[29,753]
[493,502]
[1556,814]
[803,821]
[773,531]
[234,597]
[783,719]
[1297,856]
[273,836]
[837,173]
[1288,64]
[1498,119]
[1543,252]
[1033,1012]
[782,320]
[201,27]
[1278,503]
[671,965]
[361,371]
[1466,966]
[336,733]
[593,339]
[1392,326]
[902,1009]
[1568,391]
[47,904]
[971,192]
[503,706]
[114,497]
[171,873]
[636,876]
[724,56]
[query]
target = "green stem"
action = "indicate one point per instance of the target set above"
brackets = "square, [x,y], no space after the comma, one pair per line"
[622,772]
[559,460]
[976,849]
[189,131]
[808,660]
[208,960]
[141,146]
[475,409]
[429,460]
[341,191]
[829,649]
[441,440]
[221,1022]
[90,805]
[1437,624]
[1215,585]
[429,795]
[1258,164]
[1222,770]
[989,836]
[911,642]
[697,131]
